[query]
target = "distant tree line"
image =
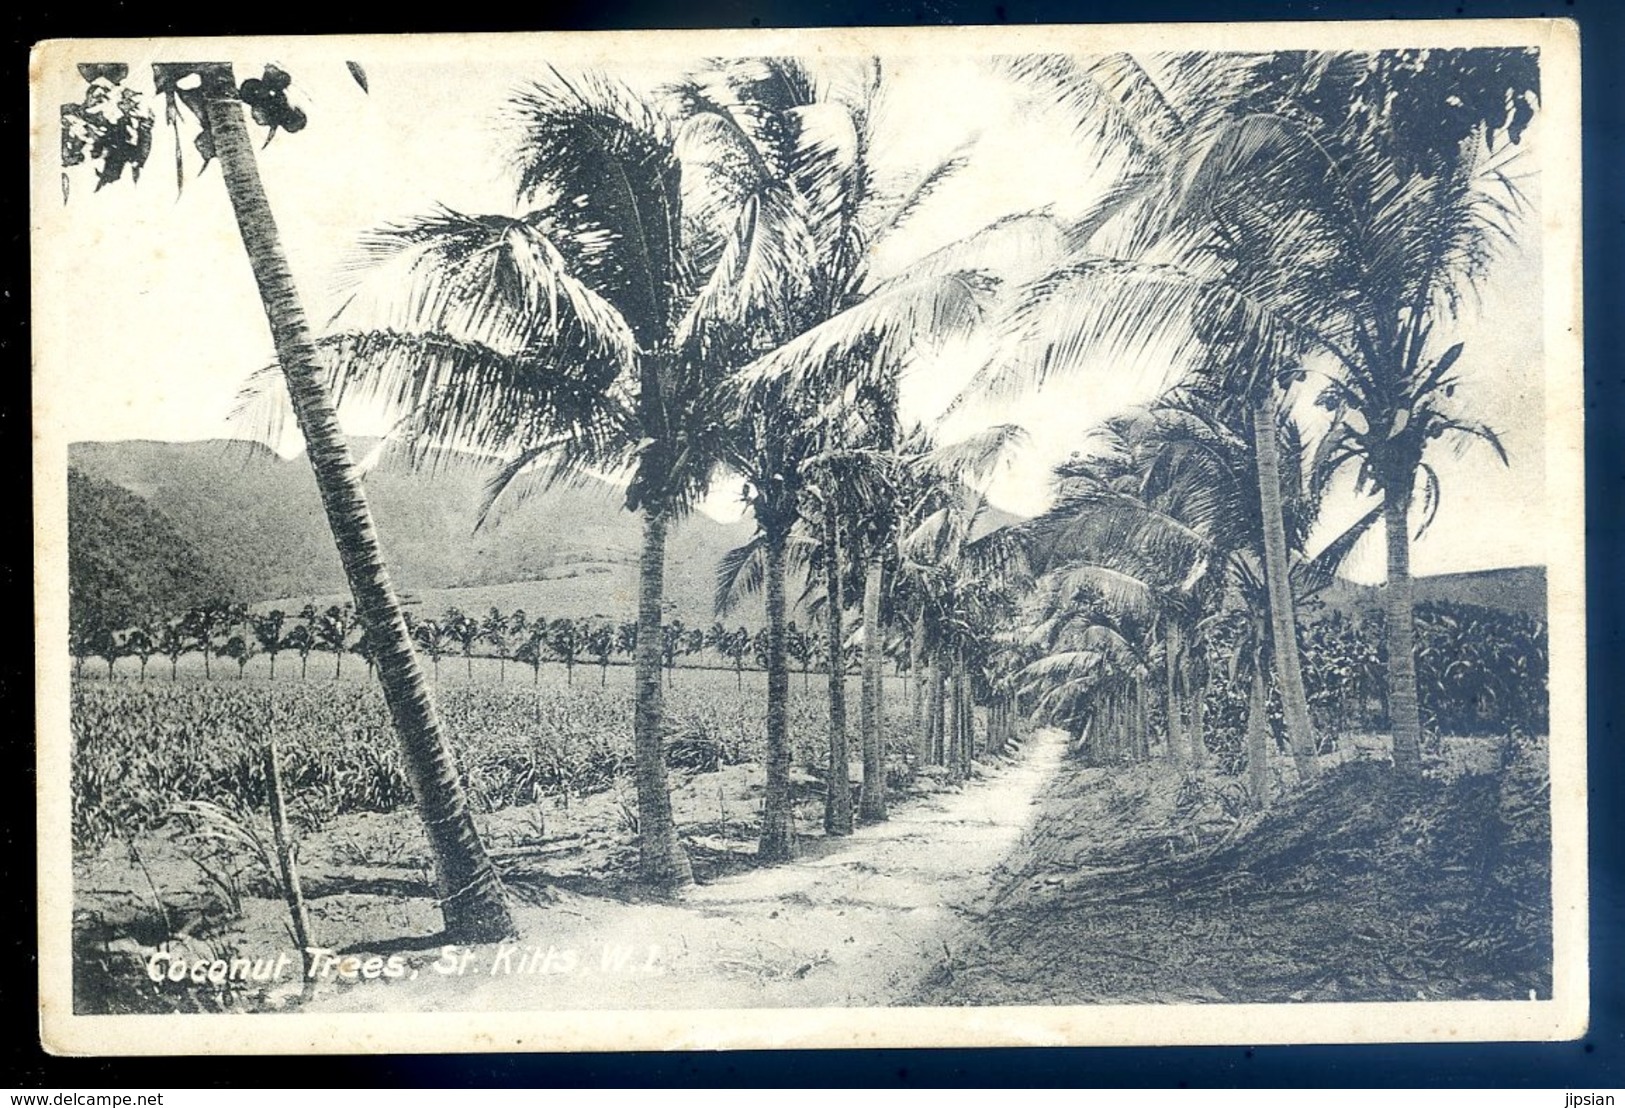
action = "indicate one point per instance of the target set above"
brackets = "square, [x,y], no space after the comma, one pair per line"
[223,630]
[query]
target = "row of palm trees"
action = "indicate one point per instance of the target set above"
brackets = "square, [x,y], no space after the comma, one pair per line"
[236,632]
[1298,224]
[688,291]
[711,308]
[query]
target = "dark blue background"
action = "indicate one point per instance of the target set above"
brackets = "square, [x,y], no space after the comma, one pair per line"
[1596,1061]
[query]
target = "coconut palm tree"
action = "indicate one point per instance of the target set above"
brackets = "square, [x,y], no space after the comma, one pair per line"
[1359,196]
[577,334]
[268,630]
[107,644]
[1155,268]
[1094,666]
[1161,520]
[301,641]
[1415,208]
[472,901]
[601,645]
[240,648]
[533,650]
[958,580]
[567,639]
[499,630]
[173,642]
[794,144]
[464,630]
[142,642]
[206,622]
[333,629]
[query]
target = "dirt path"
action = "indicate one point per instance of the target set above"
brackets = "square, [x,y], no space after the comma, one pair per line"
[855,922]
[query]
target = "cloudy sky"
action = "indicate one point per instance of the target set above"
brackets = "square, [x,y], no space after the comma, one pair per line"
[147,321]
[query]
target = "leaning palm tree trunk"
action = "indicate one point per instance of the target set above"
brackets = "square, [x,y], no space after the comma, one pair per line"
[661,858]
[837,792]
[1403,713]
[872,800]
[778,841]
[1283,622]
[472,901]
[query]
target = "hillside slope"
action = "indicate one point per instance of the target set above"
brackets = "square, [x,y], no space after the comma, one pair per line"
[127,561]
[257,516]
[1520,589]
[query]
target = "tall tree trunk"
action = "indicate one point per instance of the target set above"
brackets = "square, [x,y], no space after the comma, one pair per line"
[1116,726]
[1258,737]
[967,724]
[778,842]
[662,860]
[872,800]
[1403,711]
[916,699]
[967,703]
[1142,722]
[961,719]
[1196,692]
[933,710]
[472,901]
[1283,621]
[1172,652]
[838,790]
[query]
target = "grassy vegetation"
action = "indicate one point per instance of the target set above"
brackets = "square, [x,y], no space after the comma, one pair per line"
[142,749]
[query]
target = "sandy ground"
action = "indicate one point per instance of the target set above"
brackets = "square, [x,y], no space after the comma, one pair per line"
[857,921]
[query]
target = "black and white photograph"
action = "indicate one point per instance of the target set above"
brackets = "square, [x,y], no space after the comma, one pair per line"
[946,536]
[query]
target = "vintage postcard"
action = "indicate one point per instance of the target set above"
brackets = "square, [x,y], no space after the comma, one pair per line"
[949,536]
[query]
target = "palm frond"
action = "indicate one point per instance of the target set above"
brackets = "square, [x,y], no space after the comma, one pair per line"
[741,572]
[601,167]
[1316,574]
[873,337]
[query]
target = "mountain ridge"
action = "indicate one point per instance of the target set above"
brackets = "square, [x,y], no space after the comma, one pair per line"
[254,521]
[258,517]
